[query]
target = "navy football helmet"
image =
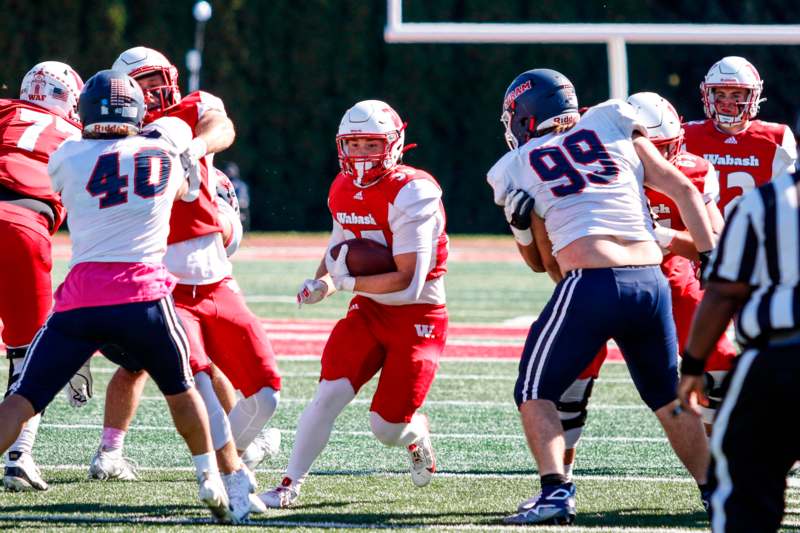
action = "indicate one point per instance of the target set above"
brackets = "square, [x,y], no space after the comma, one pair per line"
[535,102]
[111,105]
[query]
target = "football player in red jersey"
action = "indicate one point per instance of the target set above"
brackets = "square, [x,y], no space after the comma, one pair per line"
[399,319]
[31,128]
[220,327]
[746,152]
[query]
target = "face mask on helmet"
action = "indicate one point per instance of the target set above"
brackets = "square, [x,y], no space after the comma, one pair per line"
[731,73]
[661,120]
[155,74]
[54,86]
[370,141]
[111,105]
[536,102]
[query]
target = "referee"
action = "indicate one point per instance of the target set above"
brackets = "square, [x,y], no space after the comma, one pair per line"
[755,275]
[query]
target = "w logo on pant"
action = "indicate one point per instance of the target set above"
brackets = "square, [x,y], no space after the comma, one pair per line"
[424,330]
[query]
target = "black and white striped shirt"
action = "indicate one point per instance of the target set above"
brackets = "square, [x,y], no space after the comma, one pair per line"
[760,246]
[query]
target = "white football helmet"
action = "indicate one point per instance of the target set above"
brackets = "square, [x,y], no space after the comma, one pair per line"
[54,86]
[661,120]
[370,119]
[141,61]
[730,72]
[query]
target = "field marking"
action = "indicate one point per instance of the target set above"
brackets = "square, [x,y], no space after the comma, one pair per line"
[454,436]
[453,403]
[283,523]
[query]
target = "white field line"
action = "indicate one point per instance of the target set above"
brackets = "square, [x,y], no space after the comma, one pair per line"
[453,436]
[451,403]
[270,523]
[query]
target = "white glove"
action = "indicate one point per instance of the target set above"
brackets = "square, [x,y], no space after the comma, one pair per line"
[79,389]
[312,291]
[189,160]
[337,268]
[664,237]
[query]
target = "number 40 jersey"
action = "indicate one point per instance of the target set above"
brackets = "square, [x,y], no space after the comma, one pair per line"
[119,192]
[585,181]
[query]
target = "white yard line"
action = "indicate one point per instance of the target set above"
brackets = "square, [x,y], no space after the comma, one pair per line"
[454,436]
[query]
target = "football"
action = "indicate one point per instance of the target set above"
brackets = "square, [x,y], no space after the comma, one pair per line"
[366,257]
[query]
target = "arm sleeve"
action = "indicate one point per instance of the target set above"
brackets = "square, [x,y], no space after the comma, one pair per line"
[623,115]
[172,130]
[226,210]
[499,178]
[711,185]
[415,221]
[785,155]
[337,235]
[209,102]
[54,168]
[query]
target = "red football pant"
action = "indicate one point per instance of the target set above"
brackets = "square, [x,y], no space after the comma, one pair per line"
[686,296]
[26,292]
[403,341]
[222,329]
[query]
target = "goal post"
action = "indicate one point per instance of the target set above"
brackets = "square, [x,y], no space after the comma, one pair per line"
[616,36]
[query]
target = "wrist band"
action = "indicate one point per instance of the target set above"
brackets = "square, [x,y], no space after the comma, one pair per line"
[522,236]
[691,365]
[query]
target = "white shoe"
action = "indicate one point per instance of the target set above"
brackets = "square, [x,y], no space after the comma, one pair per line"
[266,444]
[212,494]
[423,461]
[111,464]
[282,496]
[239,487]
[22,474]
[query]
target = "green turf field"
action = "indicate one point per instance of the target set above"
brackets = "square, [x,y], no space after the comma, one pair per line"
[628,479]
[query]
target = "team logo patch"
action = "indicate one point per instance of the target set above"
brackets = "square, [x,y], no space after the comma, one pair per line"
[358,196]
[424,331]
[731,140]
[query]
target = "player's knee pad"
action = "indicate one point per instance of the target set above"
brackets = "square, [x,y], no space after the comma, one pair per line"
[217,419]
[251,414]
[397,433]
[714,392]
[572,410]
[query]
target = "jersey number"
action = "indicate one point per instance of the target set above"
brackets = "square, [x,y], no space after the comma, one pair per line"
[149,179]
[27,141]
[735,180]
[583,147]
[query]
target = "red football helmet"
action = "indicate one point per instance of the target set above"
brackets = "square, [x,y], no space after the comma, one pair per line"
[140,61]
[370,119]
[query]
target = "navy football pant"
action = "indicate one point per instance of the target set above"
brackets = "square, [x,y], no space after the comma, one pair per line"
[151,330]
[590,306]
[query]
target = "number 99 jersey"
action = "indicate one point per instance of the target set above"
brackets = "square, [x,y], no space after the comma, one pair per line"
[119,192]
[585,181]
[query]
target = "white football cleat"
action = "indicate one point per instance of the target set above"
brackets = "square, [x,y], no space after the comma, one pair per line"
[423,461]
[22,474]
[212,494]
[239,487]
[111,464]
[266,444]
[282,496]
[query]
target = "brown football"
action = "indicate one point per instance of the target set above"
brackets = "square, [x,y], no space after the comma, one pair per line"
[366,257]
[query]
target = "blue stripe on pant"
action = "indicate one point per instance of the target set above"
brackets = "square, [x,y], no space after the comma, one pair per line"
[631,305]
[149,331]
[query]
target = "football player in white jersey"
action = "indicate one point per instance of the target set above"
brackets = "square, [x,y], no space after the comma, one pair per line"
[118,186]
[584,177]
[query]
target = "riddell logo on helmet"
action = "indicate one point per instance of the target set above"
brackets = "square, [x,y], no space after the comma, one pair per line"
[518,90]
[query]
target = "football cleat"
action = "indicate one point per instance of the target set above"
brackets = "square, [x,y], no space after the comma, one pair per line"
[212,494]
[22,474]
[555,505]
[423,461]
[111,464]
[266,444]
[282,496]
[239,486]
